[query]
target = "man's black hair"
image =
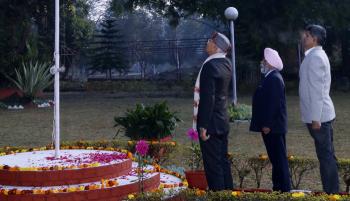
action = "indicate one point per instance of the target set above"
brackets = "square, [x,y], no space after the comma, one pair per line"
[317,31]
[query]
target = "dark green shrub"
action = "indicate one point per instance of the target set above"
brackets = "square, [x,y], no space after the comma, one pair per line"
[148,122]
[240,112]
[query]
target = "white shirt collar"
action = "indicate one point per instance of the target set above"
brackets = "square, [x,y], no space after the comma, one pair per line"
[215,56]
[309,50]
[269,72]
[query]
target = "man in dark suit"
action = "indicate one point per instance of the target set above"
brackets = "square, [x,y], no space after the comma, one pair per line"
[270,118]
[213,84]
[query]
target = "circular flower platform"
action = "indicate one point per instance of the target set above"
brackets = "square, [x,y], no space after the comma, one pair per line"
[72,167]
[95,175]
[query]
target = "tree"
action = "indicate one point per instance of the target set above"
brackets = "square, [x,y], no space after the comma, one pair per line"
[108,51]
[264,23]
[27,31]
[76,31]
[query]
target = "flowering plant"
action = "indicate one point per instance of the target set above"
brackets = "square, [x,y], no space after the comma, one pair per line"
[195,159]
[142,148]
[159,151]
[141,151]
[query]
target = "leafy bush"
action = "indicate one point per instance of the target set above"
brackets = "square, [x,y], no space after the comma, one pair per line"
[32,79]
[241,166]
[240,112]
[344,170]
[298,167]
[258,164]
[148,122]
[195,160]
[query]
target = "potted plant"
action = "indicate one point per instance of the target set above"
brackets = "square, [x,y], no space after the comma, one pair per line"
[155,124]
[196,175]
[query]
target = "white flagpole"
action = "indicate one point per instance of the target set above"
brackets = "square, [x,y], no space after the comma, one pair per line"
[231,14]
[233,57]
[57,78]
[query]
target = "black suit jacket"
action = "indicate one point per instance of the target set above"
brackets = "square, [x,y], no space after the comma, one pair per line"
[269,105]
[215,81]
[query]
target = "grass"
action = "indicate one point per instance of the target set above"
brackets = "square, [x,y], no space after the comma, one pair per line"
[89,116]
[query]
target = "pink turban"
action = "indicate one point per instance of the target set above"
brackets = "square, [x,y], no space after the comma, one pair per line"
[273,58]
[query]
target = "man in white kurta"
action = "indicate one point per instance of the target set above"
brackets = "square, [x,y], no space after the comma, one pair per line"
[317,109]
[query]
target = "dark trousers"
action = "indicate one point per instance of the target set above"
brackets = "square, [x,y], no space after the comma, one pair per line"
[216,164]
[276,150]
[323,139]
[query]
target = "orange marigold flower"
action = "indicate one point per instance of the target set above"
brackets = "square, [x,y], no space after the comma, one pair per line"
[263,157]
[236,193]
[334,197]
[131,196]
[200,192]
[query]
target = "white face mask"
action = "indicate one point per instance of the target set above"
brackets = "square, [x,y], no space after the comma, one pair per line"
[264,69]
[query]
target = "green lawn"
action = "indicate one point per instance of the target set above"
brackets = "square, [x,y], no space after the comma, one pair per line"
[89,116]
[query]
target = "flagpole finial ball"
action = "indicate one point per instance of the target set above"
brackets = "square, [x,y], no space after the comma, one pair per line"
[231,13]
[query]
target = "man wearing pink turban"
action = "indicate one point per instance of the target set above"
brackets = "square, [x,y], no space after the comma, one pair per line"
[270,118]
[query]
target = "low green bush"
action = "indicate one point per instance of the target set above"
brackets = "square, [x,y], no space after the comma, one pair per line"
[298,167]
[200,195]
[344,171]
[148,122]
[258,164]
[240,166]
[240,112]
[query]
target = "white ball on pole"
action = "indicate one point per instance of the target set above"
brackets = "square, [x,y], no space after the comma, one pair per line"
[231,13]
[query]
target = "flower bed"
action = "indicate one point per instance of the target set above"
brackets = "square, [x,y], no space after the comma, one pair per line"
[112,189]
[156,179]
[38,168]
[102,189]
[199,195]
